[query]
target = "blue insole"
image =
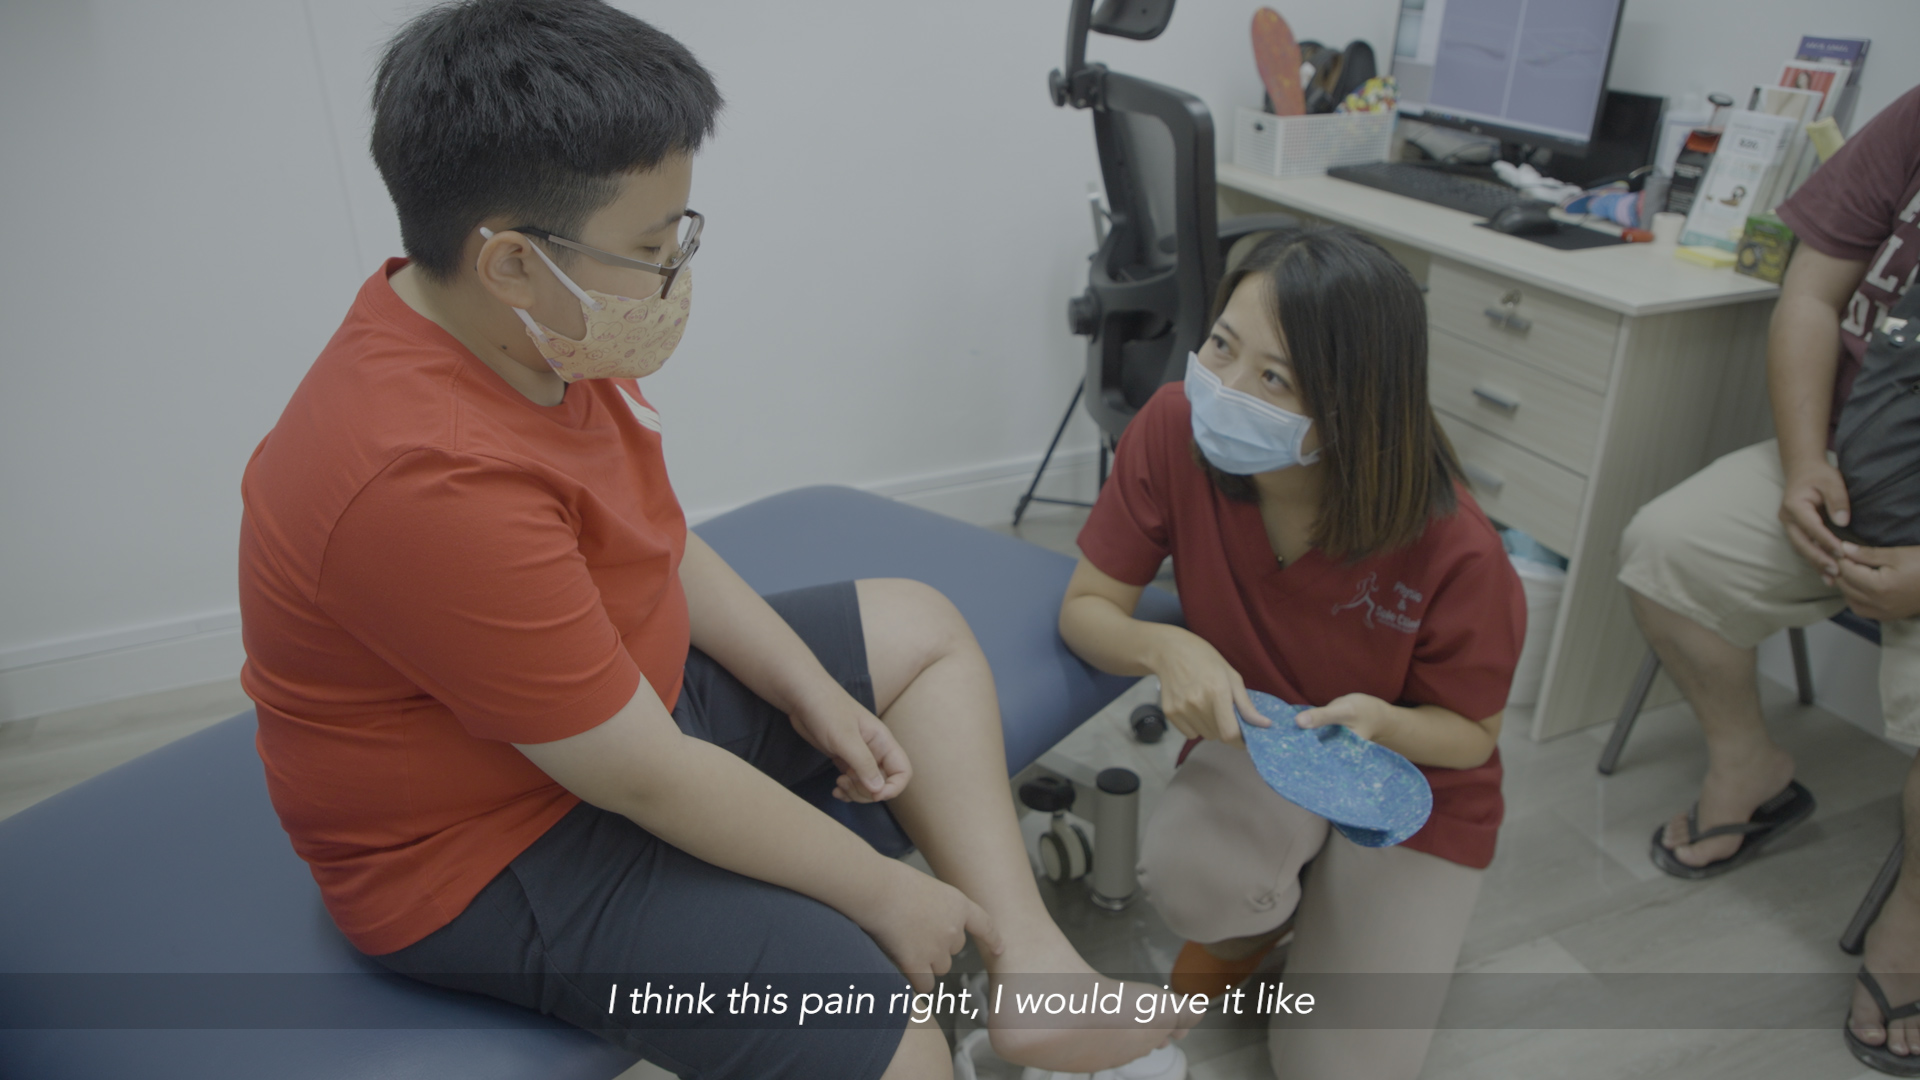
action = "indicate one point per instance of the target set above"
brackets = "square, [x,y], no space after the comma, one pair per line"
[1375,797]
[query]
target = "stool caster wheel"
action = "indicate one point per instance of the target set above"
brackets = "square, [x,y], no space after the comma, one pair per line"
[1066,852]
[1148,723]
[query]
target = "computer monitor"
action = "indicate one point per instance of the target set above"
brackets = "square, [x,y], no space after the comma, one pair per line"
[1532,72]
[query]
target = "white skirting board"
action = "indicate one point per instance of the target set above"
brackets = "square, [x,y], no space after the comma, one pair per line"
[74,672]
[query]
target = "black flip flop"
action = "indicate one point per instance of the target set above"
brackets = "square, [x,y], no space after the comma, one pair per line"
[1879,1057]
[1769,822]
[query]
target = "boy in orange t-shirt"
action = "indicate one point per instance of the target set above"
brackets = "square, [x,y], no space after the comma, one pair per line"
[531,735]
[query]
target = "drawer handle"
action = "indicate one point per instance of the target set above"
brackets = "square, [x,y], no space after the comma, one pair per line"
[1499,399]
[1507,315]
[1507,320]
[1490,482]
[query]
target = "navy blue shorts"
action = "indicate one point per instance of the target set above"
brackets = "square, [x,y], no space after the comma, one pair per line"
[598,900]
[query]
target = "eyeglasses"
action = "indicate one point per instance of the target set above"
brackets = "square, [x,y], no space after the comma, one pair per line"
[688,243]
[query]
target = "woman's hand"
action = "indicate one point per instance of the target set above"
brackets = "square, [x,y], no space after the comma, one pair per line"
[920,921]
[1423,734]
[1199,690]
[872,765]
[1363,714]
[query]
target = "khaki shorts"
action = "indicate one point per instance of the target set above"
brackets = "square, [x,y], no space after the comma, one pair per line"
[1713,549]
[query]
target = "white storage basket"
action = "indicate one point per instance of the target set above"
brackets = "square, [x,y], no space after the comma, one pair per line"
[1309,145]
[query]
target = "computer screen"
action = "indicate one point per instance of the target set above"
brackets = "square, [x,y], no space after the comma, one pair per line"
[1526,71]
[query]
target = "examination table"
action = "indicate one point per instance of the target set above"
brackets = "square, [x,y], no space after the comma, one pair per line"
[156,923]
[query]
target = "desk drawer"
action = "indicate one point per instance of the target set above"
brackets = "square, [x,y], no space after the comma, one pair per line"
[1518,487]
[1528,323]
[1553,417]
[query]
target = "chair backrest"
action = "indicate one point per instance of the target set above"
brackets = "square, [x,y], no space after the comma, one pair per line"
[1152,281]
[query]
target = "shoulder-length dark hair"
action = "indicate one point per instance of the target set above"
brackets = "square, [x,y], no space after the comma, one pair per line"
[1355,327]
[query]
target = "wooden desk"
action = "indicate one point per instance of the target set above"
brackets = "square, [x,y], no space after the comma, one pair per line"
[1576,386]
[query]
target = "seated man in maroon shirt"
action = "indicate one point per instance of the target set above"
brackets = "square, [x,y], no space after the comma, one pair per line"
[1744,549]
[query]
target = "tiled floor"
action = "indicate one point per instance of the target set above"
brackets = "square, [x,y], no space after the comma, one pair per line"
[1570,893]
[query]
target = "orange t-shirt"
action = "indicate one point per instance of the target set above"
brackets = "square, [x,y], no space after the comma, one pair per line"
[433,567]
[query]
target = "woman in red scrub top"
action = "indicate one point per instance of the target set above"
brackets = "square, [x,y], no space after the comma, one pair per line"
[1325,552]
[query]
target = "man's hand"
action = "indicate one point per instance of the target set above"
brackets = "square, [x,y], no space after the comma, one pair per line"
[1880,583]
[1363,714]
[920,921]
[1199,690]
[1811,487]
[873,767]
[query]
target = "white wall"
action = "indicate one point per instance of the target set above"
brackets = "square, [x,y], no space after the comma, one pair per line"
[896,218]
[1679,47]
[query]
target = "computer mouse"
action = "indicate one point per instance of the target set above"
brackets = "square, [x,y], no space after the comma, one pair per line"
[1524,219]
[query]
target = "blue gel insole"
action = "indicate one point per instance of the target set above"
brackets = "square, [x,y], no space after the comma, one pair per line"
[1375,797]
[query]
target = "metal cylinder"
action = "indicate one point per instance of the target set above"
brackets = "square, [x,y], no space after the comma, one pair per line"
[1116,838]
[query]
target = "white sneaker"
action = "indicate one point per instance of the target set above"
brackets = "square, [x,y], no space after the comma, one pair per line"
[1166,1063]
[973,1059]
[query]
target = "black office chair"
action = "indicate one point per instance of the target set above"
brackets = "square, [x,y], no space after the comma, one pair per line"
[1161,245]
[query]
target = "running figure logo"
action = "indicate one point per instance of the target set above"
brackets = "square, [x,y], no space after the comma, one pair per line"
[1395,617]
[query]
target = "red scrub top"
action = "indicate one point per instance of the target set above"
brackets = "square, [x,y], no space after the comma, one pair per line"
[1438,622]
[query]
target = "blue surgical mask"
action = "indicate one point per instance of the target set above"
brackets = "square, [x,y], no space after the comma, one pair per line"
[1239,433]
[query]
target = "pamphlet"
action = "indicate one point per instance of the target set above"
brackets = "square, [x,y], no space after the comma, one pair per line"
[1803,107]
[1744,178]
[1848,55]
[1847,52]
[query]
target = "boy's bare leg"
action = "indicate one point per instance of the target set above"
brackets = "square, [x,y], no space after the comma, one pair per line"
[922,1055]
[1720,680]
[936,694]
[1892,951]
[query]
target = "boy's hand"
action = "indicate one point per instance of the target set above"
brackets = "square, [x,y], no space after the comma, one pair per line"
[1199,690]
[873,767]
[1363,714]
[920,922]
[1880,583]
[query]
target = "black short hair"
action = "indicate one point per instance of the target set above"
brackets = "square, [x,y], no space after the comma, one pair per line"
[528,108]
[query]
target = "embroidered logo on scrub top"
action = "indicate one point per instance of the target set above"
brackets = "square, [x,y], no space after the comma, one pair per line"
[1391,613]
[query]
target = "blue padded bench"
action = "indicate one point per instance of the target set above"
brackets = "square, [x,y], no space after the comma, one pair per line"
[163,892]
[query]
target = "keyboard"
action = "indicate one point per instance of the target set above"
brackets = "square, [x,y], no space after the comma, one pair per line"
[1468,194]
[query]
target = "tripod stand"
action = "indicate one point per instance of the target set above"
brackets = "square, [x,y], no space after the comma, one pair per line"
[1020,509]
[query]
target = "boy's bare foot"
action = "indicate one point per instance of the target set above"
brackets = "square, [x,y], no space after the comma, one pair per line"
[1729,795]
[1893,956]
[1085,1042]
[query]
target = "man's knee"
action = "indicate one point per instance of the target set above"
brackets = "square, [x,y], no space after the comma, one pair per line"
[1653,535]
